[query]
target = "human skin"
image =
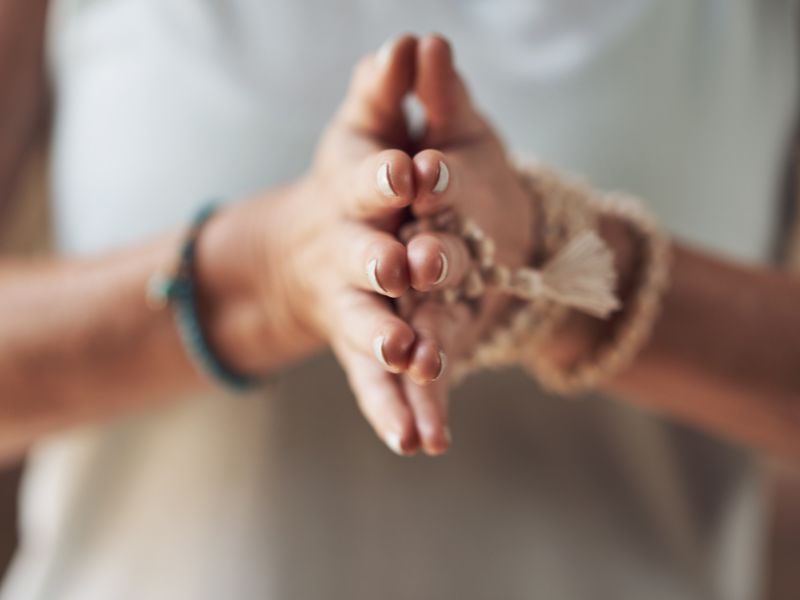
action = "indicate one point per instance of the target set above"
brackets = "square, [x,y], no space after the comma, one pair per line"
[725,352]
[728,366]
[280,275]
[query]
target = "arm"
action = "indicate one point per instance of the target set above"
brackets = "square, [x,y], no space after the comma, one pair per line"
[279,276]
[725,352]
[79,342]
[49,358]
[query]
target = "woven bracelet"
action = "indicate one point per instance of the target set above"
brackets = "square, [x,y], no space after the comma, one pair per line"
[179,291]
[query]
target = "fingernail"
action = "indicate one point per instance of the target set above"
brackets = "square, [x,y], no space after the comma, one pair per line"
[385,51]
[442,365]
[384,183]
[443,180]
[393,441]
[372,275]
[445,269]
[377,348]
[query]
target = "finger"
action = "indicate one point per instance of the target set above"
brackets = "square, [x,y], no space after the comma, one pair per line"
[384,184]
[381,401]
[429,406]
[426,385]
[380,82]
[450,113]
[368,325]
[437,327]
[436,260]
[436,180]
[374,260]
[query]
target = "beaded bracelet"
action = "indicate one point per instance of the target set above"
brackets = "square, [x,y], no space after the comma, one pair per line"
[178,290]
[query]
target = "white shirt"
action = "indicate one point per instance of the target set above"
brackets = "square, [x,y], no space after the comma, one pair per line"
[163,103]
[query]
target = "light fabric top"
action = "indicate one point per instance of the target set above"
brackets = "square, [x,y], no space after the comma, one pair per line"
[161,104]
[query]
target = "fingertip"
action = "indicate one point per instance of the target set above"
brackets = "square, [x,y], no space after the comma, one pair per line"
[396,49]
[394,178]
[427,363]
[428,264]
[383,179]
[381,399]
[396,64]
[438,441]
[393,344]
[429,405]
[387,268]
[436,58]
[436,45]
[384,54]
[441,90]
[442,178]
[400,434]
[383,183]
[404,442]
[442,365]
[434,178]
[379,83]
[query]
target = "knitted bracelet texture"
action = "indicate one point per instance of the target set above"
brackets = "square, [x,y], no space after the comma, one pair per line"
[574,271]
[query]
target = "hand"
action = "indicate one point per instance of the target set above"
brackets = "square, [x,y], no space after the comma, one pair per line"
[483,187]
[322,258]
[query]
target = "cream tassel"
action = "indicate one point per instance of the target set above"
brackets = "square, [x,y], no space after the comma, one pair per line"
[581,275]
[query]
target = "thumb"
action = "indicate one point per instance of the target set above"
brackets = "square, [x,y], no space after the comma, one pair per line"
[450,114]
[379,84]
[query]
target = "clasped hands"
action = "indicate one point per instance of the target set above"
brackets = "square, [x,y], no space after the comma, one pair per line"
[329,261]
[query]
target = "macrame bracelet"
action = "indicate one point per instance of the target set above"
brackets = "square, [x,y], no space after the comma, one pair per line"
[573,270]
[641,309]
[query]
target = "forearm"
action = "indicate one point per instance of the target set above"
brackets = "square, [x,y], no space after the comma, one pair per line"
[724,353]
[78,341]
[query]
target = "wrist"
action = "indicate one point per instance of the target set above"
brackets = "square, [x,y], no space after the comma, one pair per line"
[599,253]
[246,310]
[523,234]
[579,335]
